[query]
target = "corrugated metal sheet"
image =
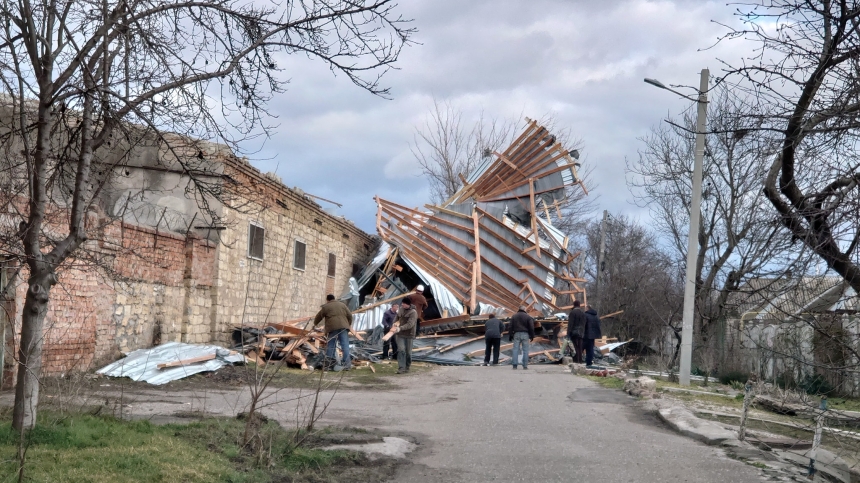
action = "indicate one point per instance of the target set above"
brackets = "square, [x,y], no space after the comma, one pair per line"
[142,364]
[445,299]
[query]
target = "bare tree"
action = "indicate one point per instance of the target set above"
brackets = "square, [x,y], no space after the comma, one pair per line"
[738,236]
[87,80]
[803,77]
[448,148]
[637,277]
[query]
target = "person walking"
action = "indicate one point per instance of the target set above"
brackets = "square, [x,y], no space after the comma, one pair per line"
[592,331]
[407,318]
[338,319]
[576,330]
[521,332]
[388,319]
[493,329]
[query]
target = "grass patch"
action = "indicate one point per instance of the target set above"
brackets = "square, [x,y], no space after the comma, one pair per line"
[96,449]
[610,382]
[843,404]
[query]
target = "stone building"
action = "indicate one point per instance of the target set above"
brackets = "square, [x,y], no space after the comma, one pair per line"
[179,254]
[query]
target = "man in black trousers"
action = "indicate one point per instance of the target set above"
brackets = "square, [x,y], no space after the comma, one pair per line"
[592,331]
[387,321]
[493,329]
[576,330]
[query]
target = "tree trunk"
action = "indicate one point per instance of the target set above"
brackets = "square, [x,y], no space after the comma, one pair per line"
[30,349]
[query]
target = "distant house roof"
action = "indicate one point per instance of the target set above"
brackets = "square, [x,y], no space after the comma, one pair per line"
[778,298]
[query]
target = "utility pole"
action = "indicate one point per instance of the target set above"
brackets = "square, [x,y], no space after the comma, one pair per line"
[695,214]
[693,239]
[600,254]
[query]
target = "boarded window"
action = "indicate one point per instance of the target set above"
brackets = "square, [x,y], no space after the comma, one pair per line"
[256,235]
[299,255]
[332,264]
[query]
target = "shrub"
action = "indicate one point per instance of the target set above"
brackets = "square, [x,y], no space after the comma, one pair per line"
[733,376]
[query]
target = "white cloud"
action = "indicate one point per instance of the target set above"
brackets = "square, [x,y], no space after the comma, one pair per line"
[582,61]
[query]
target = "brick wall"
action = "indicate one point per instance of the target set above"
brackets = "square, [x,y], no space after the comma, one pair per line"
[138,297]
[255,292]
[156,286]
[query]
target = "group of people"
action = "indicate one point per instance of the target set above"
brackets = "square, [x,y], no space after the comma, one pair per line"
[404,319]
[583,328]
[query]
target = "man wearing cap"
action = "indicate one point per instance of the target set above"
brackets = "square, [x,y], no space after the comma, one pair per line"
[338,318]
[521,332]
[419,303]
[407,318]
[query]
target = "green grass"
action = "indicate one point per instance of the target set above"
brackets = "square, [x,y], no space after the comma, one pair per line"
[610,382]
[843,404]
[96,449]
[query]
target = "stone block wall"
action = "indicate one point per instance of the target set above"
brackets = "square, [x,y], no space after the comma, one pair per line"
[255,292]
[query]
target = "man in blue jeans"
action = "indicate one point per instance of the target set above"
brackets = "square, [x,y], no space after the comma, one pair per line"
[338,319]
[522,332]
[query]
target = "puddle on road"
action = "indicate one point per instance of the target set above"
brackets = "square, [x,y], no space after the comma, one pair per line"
[599,395]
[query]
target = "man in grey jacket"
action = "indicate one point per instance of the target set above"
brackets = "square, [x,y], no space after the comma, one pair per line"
[407,319]
[522,332]
[493,329]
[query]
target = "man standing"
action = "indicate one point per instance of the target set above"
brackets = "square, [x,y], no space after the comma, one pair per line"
[387,321]
[338,319]
[407,318]
[592,331]
[493,329]
[576,330]
[522,332]
[419,303]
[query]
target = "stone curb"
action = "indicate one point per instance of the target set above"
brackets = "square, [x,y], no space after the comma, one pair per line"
[686,423]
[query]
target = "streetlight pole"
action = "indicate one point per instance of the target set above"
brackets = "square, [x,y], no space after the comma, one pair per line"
[692,240]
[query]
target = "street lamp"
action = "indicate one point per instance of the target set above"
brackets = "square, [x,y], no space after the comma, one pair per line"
[695,213]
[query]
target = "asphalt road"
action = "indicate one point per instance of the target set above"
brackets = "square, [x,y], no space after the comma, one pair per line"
[494,424]
[484,424]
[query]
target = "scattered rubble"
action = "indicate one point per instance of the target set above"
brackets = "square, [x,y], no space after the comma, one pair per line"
[642,386]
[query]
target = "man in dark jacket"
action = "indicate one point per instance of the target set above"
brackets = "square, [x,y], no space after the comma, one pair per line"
[407,318]
[493,329]
[576,330]
[522,332]
[388,319]
[338,318]
[592,331]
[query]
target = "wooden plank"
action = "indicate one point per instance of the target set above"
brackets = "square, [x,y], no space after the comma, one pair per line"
[612,314]
[473,296]
[477,248]
[534,216]
[377,304]
[185,362]
[460,344]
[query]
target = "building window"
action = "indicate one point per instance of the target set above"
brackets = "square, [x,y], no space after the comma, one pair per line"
[332,264]
[299,255]
[256,235]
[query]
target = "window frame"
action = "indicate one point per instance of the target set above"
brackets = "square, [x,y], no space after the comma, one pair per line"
[331,271]
[259,226]
[304,255]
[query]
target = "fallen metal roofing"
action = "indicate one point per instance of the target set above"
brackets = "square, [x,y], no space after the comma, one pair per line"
[492,245]
[142,364]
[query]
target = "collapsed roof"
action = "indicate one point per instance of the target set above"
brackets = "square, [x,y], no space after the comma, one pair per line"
[492,245]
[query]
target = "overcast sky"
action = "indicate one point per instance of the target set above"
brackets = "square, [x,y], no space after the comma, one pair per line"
[581,61]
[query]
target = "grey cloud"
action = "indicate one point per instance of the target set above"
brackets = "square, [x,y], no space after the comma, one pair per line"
[582,61]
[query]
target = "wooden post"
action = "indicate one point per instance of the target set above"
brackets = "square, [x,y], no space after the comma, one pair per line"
[473,299]
[816,440]
[477,244]
[748,399]
[534,215]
